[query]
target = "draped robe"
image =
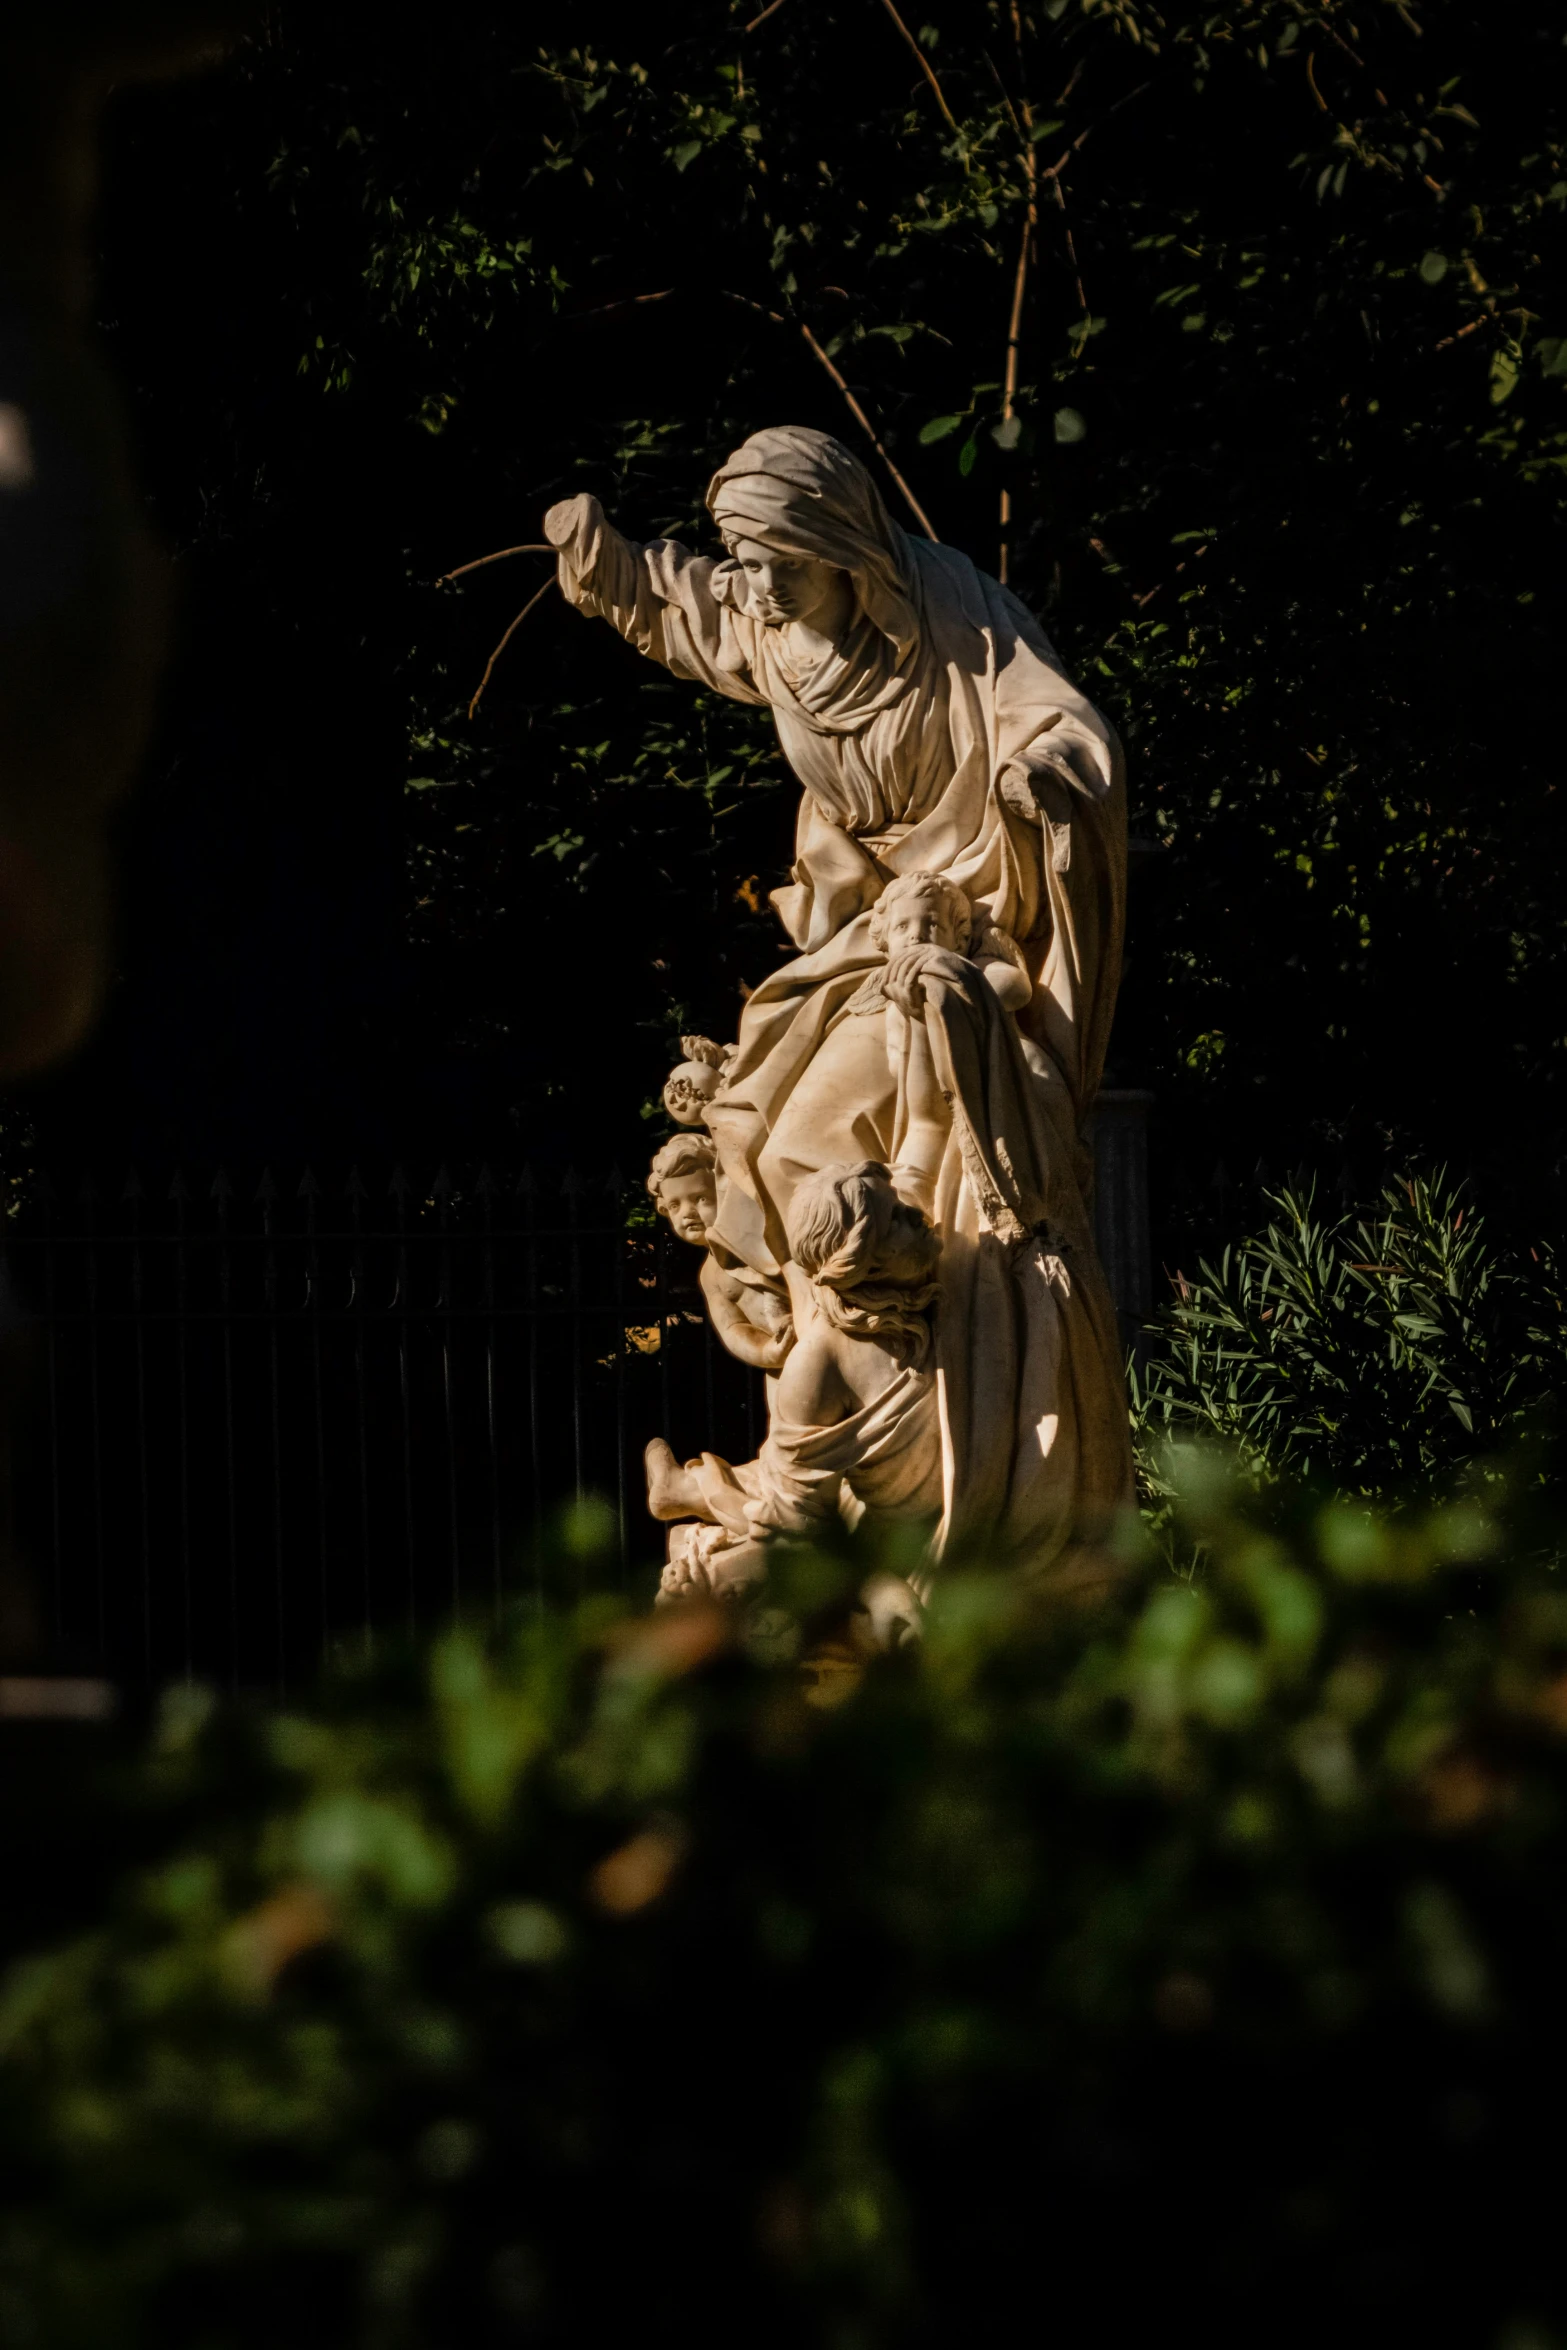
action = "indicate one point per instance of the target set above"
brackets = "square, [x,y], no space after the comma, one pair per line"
[965,751]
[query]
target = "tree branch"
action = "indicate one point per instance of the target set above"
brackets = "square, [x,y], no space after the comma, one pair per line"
[506,640]
[860,417]
[925,66]
[499,556]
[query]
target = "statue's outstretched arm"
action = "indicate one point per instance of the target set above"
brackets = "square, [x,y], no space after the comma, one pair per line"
[659,596]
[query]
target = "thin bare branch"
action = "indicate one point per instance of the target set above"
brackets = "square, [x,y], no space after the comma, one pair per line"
[1083,136]
[1025,129]
[626,302]
[924,64]
[1071,248]
[1073,78]
[762,19]
[915,508]
[499,556]
[858,413]
[506,640]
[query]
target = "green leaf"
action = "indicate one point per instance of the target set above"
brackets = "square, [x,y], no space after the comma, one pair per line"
[967,455]
[1433,268]
[686,153]
[1069,426]
[1008,432]
[1504,376]
[938,429]
[1553,355]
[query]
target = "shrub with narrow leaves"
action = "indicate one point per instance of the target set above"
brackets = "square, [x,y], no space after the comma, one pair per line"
[1372,1352]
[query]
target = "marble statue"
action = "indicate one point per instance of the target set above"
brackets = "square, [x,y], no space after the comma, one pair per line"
[749,1313]
[916,1075]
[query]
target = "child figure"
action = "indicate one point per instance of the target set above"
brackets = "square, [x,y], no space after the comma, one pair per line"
[751,1321]
[875,1088]
[692,1083]
[921,910]
[855,1430]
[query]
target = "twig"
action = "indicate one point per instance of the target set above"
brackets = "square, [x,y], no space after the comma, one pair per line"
[762,19]
[1025,128]
[922,61]
[1486,318]
[1064,158]
[918,511]
[1071,249]
[860,417]
[1311,59]
[506,640]
[626,302]
[499,556]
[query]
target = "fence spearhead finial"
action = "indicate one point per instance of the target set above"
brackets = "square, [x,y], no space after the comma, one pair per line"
[400,1188]
[133,1186]
[266,1189]
[355,1187]
[443,1188]
[222,1188]
[179,1189]
[484,1184]
[309,1188]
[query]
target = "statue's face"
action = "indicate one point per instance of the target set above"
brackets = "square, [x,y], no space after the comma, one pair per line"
[924,920]
[911,1249]
[790,587]
[690,1202]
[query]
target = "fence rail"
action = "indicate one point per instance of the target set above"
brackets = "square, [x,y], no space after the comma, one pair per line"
[254,1421]
[258,1420]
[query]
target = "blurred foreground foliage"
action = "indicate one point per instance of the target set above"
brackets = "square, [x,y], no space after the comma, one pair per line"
[1202,1946]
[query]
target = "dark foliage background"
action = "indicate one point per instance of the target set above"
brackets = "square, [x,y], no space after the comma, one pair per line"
[1285,451]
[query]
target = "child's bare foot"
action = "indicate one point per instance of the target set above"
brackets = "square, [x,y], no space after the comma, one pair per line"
[670,1491]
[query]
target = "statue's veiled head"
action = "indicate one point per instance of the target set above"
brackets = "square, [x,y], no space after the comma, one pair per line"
[805,499]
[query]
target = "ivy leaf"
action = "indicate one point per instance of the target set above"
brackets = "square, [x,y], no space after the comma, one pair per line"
[1553,355]
[967,455]
[687,153]
[1069,426]
[940,426]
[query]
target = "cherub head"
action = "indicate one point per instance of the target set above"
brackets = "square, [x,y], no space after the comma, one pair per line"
[691,1085]
[871,1257]
[684,1182]
[921,910]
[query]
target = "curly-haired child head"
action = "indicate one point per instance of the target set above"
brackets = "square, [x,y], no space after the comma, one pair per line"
[894,917]
[683,1180]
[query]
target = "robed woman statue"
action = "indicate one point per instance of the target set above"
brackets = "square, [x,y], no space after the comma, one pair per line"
[935,735]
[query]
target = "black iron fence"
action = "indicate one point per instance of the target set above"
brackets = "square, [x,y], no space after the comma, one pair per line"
[256,1420]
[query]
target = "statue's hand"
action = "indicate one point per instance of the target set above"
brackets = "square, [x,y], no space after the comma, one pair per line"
[1014,787]
[570,518]
[908,971]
